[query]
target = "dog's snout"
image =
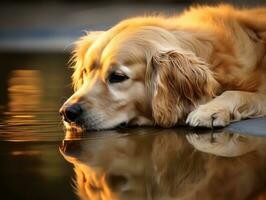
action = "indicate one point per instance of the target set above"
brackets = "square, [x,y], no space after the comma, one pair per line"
[71,113]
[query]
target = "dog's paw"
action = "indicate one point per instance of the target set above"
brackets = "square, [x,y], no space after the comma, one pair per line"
[207,116]
[223,143]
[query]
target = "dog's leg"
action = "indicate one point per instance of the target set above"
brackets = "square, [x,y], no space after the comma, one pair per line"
[229,106]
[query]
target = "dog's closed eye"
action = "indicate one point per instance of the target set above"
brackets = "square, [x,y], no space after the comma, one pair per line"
[117,77]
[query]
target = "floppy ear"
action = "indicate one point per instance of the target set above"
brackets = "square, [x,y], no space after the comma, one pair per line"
[177,81]
[81,47]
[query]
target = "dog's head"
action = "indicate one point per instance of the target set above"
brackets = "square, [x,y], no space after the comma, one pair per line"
[136,73]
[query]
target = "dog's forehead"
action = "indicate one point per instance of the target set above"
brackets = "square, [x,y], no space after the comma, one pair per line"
[96,59]
[121,51]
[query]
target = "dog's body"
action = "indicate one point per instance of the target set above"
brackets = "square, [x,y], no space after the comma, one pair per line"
[206,67]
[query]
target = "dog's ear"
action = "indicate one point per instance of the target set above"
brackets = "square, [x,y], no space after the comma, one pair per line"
[77,60]
[176,81]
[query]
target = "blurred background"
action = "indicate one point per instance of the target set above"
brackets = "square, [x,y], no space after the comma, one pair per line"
[52,26]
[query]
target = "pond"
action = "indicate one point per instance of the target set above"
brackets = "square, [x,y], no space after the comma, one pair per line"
[39,160]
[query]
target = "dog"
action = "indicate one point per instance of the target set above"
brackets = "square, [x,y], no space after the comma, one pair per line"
[167,164]
[205,68]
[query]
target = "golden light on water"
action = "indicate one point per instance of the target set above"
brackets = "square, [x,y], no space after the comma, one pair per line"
[25,153]
[23,116]
[24,91]
[24,94]
[34,95]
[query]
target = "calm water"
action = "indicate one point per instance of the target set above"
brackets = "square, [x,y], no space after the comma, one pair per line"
[38,160]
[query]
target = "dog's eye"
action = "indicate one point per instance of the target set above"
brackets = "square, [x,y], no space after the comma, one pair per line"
[116,77]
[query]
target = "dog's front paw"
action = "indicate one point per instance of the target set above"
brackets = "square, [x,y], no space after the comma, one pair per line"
[207,116]
[223,143]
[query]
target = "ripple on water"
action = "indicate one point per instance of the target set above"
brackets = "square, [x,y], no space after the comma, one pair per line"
[31,98]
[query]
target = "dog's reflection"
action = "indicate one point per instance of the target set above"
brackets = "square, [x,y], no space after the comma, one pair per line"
[167,164]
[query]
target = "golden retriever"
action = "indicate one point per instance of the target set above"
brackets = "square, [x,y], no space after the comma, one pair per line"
[168,165]
[205,67]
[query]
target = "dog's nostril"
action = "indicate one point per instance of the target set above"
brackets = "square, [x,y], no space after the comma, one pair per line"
[122,125]
[71,113]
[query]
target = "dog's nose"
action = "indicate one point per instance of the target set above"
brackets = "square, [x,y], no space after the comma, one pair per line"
[70,113]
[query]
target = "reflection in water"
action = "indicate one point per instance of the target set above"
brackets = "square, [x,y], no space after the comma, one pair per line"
[31,112]
[167,164]
[31,90]
[125,164]
[24,92]
[24,88]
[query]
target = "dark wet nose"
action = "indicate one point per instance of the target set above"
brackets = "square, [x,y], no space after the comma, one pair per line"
[70,113]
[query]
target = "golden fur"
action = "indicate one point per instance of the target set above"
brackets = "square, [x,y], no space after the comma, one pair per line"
[168,165]
[205,67]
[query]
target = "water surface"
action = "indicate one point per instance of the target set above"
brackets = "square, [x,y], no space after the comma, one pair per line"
[38,160]
[32,87]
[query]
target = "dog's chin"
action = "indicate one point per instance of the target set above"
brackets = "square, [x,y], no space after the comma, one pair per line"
[78,127]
